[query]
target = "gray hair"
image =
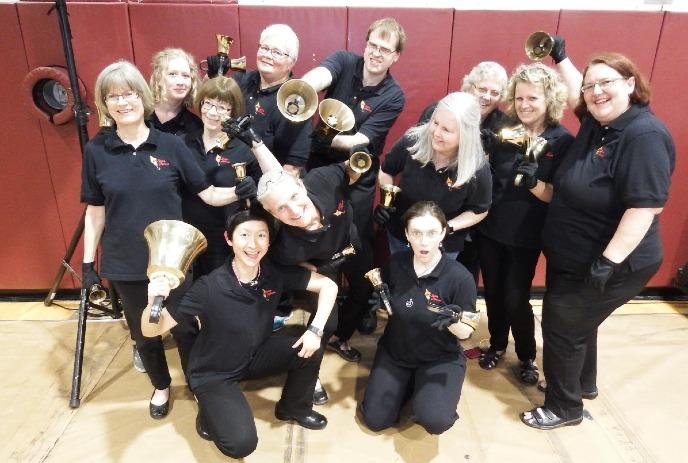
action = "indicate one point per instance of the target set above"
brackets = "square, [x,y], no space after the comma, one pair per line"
[121,74]
[286,35]
[486,70]
[270,179]
[470,156]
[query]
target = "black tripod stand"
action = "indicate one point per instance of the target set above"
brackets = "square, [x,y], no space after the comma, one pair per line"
[81,114]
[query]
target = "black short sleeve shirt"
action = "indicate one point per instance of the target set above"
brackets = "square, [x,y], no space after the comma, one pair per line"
[425,183]
[408,337]
[327,188]
[290,142]
[375,108]
[608,169]
[235,318]
[137,187]
[516,216]
[183,123]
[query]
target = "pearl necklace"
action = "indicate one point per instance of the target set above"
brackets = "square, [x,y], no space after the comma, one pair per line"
[250,283]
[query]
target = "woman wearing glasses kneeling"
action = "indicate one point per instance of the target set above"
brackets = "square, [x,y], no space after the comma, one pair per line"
[234,304]
[419,358]
[601,236]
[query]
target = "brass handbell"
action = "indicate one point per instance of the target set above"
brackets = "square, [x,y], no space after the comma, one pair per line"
[360,162]
[240,172]
[375,278]
[536,148]
[172,247]
[516,135]
[538,45]
[297,100]
[335,118]
[350,250]
[97,294]
[388,192]
[223,44]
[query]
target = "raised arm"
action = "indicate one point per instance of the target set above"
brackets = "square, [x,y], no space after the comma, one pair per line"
[319,78]
[571,75]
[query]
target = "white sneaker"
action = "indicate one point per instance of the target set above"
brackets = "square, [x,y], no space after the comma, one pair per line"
[138,363]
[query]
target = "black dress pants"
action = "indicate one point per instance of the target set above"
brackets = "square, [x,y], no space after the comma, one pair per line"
[356,304]
[433,388]
[134,296]
[572,311]
[507,278]
[225,411]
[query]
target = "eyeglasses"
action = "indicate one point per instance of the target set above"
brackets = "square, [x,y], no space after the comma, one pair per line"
[264,187]
[128,97]
[603,84]
[220,109]
[274,52]
[487,91]
[431,234]
[384,51]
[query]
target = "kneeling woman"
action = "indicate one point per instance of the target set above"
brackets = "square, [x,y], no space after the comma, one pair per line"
[235,304]
[418,356]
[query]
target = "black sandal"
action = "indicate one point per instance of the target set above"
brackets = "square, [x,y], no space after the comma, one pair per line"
[545,419]
[489,359]
[529,372]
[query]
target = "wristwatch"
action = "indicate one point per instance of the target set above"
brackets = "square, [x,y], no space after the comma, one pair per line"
[315,330]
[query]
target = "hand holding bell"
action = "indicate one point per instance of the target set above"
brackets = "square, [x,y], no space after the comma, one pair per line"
[375,278]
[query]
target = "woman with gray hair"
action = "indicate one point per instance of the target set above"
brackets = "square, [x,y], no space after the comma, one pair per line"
[509,239]
[441,161]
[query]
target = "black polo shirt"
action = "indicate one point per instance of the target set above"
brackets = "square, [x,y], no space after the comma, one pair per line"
[136,187]
[235,318]
[608,169]
[420,183]
[408,337]
[516,216]
[494,121]
[290,142]
[217,165]
[181,124]
[327,188]
[375,108]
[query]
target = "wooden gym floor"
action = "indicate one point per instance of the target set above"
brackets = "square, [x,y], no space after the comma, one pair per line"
[641,414]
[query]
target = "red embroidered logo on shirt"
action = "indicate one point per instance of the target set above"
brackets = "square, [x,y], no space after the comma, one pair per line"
[259,109]
[450,182]
[222,160]
[158,163]
[268,293]
[340,208]
[366,107]
[549,154]
[599,152]
[433,298]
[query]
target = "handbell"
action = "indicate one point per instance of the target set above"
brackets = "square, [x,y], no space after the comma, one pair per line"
[538,45]
[335,118]
[223,44]
[240,172]
[96,294]
[375,278]
[516,135]
[172,247]
[297,100]
[388,193]
[536,149]
[237,64]
[350,250]
[360,162]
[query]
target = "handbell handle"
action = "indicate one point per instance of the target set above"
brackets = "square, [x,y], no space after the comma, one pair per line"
[385,300]
[156,310]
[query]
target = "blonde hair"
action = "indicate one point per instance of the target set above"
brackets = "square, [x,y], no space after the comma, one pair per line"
[159,65]
[120,74]
[551,83]
[469,156]
[387,27]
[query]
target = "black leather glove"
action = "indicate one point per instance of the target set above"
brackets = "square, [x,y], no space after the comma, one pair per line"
[240,128]
[489,139]
[446,315]
[382,215]
[600,272]
[217,65]
[246,189]
[558,52]
[89,276]
[527,169]
[331,267]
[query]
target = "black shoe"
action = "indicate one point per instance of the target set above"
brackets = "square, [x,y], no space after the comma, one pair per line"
[313,420]
[200,427]
[158,411]
[320,396]
[350,355]
[544,418]
[368,323]
[588,395]
[528,372]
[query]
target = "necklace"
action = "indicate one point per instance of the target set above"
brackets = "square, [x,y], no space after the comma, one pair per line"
[427,269]
[250,283]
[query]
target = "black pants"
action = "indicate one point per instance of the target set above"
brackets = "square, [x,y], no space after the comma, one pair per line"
[360,290]
[507,278]
[134,296]
[225,411]
[572,311]
[469,257]
[434,390]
